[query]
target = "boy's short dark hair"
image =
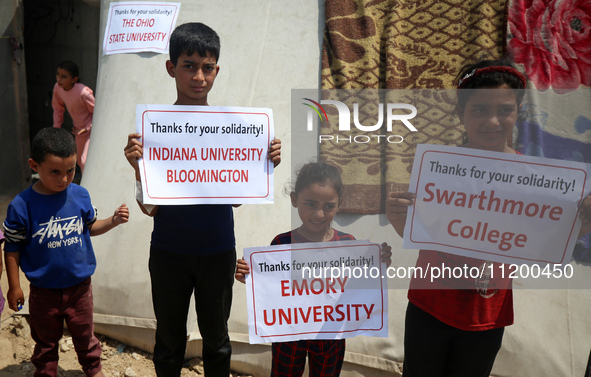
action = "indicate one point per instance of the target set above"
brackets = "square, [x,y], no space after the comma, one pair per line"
[55,141]
[191,37]
[71,67]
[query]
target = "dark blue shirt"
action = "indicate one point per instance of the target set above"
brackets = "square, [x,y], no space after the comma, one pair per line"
[203,229]
[52,235]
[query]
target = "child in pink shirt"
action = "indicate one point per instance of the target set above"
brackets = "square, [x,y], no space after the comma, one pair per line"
[79,100]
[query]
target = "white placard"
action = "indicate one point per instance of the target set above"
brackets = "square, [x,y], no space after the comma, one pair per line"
[205,154]
[325,290]
[495,206]
[139,26]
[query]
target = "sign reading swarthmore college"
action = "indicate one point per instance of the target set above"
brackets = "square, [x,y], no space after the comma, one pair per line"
[326,290]
[495,206]
[205,154]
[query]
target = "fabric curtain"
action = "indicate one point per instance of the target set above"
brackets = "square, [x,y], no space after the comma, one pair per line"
[393,44]
[550,40]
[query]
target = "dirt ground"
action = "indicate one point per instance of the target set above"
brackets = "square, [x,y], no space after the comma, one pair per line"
[118,359]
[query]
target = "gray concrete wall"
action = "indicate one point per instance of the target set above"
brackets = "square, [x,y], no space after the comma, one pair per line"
[14,133]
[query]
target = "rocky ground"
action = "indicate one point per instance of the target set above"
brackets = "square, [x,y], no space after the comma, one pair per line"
[119,360]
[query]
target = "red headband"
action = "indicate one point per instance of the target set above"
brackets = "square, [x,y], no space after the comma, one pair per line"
[500,68]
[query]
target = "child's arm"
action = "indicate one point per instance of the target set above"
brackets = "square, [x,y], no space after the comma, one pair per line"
[585,215]
[15,295]
[242,270]
[386,254]
[120,216]
[274,152]
[58,108]
[396,206]
[88,99]
[133,152]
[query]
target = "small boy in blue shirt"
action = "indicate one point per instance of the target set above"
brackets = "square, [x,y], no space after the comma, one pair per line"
[192,250]
[47,230]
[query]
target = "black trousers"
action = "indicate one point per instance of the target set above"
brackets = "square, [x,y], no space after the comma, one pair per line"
[175,278]
[435,349]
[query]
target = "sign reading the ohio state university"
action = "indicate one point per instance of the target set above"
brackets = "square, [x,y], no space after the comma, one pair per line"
[139,26]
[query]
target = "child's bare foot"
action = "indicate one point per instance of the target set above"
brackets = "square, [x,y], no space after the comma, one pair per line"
[100,374]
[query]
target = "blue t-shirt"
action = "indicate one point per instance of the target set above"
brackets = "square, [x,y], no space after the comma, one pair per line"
[51,233]
[203,229]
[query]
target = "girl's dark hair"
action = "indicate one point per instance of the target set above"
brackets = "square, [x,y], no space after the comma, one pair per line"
[55,141]
[71,67]
[470,78]
[321,173]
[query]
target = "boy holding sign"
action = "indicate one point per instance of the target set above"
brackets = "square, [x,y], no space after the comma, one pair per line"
[193,246]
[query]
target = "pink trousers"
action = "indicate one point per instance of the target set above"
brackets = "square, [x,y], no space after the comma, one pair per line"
[82,142]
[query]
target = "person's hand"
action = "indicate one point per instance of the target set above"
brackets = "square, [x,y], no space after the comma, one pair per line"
[242,270]
[397,203]
[386,254]
[121,215]
[274,152]
[15,298]
[585,216]
[134,151]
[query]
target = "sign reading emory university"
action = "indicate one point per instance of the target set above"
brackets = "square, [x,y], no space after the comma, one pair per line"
[205,154]
[139,26]
[316,290]
[495,206]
